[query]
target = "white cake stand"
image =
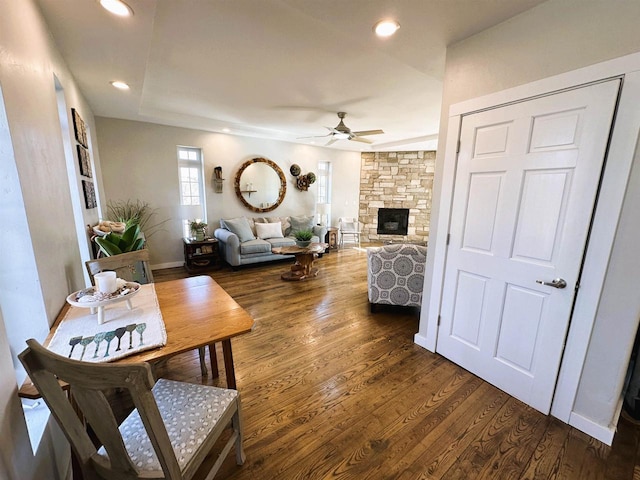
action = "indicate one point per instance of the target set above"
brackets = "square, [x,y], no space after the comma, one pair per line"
[99,305]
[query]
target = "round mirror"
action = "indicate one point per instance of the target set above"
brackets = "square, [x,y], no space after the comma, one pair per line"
[260,185]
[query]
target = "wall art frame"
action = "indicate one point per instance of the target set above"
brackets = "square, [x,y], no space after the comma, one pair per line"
[89,194]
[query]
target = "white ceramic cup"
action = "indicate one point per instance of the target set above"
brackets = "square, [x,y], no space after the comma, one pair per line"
[106,282]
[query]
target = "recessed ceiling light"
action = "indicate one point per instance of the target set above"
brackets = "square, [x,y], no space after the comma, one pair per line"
[386,28]
[117,7]
[120,85]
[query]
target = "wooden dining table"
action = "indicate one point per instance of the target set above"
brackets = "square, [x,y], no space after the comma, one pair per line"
[197,312]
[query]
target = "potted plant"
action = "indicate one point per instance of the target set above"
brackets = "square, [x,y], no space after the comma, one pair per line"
[115,243]
[303,237]
[198,229]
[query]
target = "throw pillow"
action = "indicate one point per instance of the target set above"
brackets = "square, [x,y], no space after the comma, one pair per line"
[286,226]
[302,222]
[240,226]
[269,230]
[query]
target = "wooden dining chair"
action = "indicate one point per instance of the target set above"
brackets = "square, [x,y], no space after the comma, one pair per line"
[126,266]
[173,427]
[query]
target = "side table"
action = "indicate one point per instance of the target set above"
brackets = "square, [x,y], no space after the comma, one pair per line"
[200,254]
[332,238]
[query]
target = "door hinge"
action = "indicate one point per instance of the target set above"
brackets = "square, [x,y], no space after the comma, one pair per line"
[448,238]
[576,287]
[458,147]
[439,319]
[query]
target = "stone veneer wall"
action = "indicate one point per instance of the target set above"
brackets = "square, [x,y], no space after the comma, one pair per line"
[396,180]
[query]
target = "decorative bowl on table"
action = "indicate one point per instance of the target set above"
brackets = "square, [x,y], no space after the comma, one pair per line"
[90,298]
[303,243]
[93,299]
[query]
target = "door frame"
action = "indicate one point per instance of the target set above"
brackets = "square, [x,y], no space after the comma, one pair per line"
[605,221]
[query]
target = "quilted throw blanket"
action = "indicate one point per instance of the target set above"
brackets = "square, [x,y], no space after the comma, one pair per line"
[124,332]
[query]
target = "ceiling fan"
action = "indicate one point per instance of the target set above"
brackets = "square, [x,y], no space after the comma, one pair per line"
[342,132]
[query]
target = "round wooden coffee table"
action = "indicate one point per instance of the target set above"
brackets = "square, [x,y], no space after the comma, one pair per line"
[303,268]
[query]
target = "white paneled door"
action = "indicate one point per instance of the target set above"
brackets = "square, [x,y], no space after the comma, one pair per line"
[525,189]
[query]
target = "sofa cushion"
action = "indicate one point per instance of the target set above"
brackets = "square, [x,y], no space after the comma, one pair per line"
[303,222]
[281,242]
[239,226]
[255,246]
[269,230]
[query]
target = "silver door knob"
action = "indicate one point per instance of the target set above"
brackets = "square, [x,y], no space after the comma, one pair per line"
[555,283]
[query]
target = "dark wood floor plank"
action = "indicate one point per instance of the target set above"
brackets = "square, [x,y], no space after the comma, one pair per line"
[331,391]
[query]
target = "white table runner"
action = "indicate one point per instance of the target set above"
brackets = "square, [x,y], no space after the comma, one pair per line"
[124,332]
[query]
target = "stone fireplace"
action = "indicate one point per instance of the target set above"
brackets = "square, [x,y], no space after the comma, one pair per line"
[394,181]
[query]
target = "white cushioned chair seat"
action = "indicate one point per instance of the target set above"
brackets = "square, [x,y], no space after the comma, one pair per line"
[189,413]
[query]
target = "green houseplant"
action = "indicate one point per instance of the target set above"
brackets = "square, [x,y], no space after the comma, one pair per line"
[198,229]
[303,237]
[134,211]
[115,243]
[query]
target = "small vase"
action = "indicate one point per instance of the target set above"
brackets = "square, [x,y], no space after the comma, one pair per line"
[199,235]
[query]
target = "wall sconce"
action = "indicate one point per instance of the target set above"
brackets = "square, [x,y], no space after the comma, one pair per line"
[217,179]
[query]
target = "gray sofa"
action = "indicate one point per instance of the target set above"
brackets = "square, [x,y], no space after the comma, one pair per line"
[244,240]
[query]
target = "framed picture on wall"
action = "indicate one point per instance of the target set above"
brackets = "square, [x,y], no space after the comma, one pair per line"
[84,160]
[89,194]
[79,128]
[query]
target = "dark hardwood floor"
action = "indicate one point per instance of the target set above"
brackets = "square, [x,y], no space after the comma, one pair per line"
[330,390]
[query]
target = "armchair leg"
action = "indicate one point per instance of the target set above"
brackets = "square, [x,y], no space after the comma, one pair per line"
[374,307]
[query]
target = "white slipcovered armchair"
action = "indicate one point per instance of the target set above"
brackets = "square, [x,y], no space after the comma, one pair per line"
[395,274]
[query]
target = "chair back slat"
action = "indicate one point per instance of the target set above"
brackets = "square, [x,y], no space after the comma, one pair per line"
[88,382]
[124,265]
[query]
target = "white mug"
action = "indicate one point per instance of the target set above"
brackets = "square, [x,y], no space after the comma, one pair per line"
[106,282]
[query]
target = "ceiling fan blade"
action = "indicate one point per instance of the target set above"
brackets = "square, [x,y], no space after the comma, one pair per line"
[315,136]
[368,132]
[331,142]
[358,139]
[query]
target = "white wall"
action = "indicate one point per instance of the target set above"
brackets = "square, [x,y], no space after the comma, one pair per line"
[139,162]
[555,37]
[40,262]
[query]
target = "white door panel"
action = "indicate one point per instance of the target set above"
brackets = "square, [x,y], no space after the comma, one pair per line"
[525,190]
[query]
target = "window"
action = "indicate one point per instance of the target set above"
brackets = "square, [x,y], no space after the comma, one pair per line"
[324,193]
[190,170]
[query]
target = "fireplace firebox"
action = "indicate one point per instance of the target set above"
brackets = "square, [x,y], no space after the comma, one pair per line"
[393,221]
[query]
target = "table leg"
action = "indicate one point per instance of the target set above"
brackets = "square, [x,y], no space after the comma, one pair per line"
[203,364]
[228,364]
[213,358]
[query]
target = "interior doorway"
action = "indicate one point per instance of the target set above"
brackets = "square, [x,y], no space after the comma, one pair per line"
[526,183]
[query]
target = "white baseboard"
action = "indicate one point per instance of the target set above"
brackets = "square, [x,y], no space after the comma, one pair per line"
[422,341]
[599,432]
[160,266]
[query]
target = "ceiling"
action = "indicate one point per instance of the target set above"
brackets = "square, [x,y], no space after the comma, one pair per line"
[277,69]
